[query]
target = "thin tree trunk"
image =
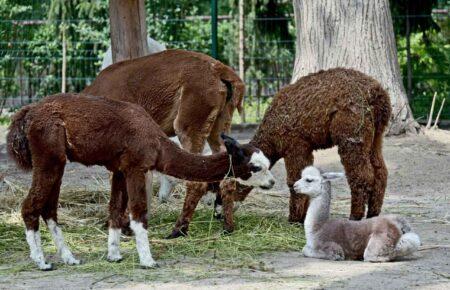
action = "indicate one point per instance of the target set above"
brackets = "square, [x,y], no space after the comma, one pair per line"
[128,29]
[241,50]
[357,34]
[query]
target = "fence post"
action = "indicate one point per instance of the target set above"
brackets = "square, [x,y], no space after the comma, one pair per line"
[408,58]
[214,28]
[241,52]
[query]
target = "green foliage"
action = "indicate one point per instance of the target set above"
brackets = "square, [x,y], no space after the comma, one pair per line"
[31,44]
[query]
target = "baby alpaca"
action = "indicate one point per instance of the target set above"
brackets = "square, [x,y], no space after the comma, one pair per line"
[377,239]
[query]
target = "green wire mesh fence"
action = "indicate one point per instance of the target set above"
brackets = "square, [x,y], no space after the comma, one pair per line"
[32,34]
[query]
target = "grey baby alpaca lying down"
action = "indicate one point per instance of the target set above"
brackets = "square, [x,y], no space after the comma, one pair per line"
[378,239]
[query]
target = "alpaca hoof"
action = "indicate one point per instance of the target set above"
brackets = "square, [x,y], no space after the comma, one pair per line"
[114,259]
[47,267]
[218,216]
[355,217]
[228,231]
[150,265]
[371,215]
[71,261]
[176,234]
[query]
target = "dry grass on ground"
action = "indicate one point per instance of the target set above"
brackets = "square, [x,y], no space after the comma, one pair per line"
[83,215]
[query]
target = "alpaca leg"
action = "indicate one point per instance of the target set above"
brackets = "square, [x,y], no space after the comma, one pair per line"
[380,171]
[380,248]
[49,214]
[222,124]
[137,205]
[165,188]
[192,141]
[31,210]
[227,188]
[118,204]
[149,187]
[194,192]
[360,176]
[218,206]
[34,205]
[48,168]
[327,251]
[117,215]
[295,160]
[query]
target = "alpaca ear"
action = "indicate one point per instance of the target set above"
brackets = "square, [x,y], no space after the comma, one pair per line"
[332,175]
[233,147]
[229,143]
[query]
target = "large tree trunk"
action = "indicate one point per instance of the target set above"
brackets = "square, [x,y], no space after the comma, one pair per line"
[357,34]
[128,29]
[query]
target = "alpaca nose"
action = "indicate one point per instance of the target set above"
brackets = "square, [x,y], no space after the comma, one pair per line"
[269,185]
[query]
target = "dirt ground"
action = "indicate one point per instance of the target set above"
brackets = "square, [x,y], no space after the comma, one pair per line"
[418,187]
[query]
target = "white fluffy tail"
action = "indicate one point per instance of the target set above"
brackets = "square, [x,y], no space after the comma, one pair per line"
[407,244]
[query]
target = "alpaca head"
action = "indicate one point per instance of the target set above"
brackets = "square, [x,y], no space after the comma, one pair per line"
[250,164]
[313,181]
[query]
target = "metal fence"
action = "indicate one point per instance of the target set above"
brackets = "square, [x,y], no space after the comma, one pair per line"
[31,56]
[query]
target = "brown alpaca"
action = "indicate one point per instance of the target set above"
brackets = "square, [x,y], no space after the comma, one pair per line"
[122,137]
[188,94]
[340,107]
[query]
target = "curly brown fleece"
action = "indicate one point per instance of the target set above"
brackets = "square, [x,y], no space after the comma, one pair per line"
[340,107]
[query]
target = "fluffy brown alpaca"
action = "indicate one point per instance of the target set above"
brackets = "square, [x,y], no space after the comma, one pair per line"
[378,239]
[337,107]
[122,137]
[186,93]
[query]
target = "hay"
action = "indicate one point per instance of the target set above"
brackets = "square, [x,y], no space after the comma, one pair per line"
[261,227]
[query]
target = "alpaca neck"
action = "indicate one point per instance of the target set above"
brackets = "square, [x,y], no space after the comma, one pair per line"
[318,211]
[181,164]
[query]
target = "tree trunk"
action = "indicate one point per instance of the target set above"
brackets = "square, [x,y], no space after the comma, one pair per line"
[352,33]
[128,29]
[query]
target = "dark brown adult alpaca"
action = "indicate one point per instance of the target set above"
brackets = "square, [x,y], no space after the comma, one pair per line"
[340,107]
[188,94]
[122,137]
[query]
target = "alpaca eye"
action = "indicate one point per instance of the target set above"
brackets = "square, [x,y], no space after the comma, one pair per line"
[309,180]
[254,168]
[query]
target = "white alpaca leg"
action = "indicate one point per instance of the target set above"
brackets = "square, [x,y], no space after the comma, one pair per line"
[142,245]
[328,251]
[36,253]
[114,245]
[58,239]
[149,188]
[165,188]
[379,249]
[407,244]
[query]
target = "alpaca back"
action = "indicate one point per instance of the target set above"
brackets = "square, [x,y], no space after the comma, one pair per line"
[352,236]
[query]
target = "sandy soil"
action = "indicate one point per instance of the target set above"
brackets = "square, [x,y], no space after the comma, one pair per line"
[418,187]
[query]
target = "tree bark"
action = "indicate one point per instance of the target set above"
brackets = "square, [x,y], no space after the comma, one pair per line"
[357,34]
[128,29]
